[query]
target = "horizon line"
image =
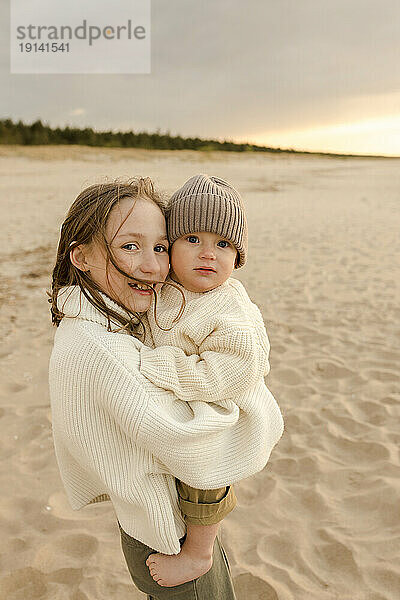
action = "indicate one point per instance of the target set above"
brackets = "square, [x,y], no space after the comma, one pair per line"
[251,146]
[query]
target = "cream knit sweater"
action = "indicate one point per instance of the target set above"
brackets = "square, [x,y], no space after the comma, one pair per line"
[119,437]
[217,351]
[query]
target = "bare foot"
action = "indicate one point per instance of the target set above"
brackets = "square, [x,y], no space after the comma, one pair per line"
[170,570]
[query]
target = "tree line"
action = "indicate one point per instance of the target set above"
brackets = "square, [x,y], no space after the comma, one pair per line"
[40,134]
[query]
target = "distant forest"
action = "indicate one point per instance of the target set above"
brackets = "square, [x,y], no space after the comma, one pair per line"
[39,134]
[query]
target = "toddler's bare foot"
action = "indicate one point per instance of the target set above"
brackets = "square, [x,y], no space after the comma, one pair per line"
[169,570]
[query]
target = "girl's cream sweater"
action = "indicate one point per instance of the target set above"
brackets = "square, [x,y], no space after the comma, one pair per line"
[117,436]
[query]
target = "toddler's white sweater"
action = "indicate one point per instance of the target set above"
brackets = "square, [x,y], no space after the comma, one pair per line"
[218,350]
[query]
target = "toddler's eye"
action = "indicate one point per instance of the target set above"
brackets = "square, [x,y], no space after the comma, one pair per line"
[160,248]
[130,246]
[193,239]
[223,244]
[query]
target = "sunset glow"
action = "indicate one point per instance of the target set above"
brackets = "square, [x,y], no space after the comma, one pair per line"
[372,136]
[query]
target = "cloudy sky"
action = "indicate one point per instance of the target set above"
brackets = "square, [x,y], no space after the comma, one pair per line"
[307,74]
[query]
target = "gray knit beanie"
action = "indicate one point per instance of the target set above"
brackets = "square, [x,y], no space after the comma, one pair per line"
[206,203]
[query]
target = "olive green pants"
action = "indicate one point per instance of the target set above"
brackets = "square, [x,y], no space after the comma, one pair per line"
[205,507]
[216,584]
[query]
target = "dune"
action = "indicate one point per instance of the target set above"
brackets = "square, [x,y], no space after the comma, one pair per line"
[322,520]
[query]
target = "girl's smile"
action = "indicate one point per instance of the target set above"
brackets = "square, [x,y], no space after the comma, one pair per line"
[136,235]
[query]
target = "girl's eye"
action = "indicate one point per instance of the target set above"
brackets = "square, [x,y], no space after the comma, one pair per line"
[160,248]
[193,239]
[130,246]
[223,244]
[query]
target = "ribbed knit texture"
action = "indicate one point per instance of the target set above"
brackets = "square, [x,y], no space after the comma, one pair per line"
[217,351]
[117,435]
[210,204]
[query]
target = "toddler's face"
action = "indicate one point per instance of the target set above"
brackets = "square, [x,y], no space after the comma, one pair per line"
[202,261]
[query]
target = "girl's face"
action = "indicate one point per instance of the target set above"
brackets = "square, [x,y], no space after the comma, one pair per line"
[139,244]
[202,261]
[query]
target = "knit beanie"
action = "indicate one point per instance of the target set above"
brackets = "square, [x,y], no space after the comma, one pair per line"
[206,203]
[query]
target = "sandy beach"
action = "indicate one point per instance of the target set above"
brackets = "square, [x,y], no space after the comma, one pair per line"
[322,520]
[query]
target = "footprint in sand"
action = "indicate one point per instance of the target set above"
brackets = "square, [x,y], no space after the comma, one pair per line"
[384,376]
[314,503]
[374,413]
[337,559]
[309,467]
[278,349]
[347,425]
[299,392]
[67,551]
[14,387]
[358,451]
[23,584]
[66,576]
[279,549]
[288,376]
[17,545]
[329,370]
[293,423]
[77,545]
[286,467]
[250,492]
[391,401]
[385,579]
[250,587]
[313,337]
[372,510]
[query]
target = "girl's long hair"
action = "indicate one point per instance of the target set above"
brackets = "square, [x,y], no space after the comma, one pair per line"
[86,222]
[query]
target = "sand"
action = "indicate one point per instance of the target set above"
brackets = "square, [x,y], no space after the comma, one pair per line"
[322,521]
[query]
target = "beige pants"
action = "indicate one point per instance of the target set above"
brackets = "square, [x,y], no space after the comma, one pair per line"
[205,507]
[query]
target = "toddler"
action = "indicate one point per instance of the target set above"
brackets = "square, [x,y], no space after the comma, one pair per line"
[216,352]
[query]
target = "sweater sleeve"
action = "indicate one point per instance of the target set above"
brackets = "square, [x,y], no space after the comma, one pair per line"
[230,360]
[205,445]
